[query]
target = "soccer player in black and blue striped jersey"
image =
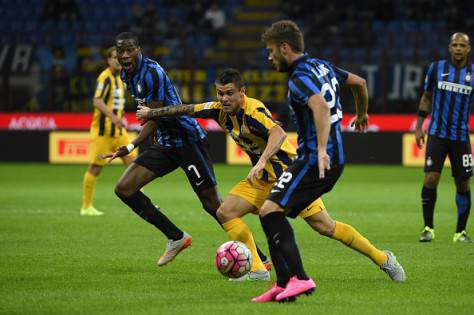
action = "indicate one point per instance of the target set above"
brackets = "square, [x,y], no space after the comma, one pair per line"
[448,91]
[180,142]
[313,97]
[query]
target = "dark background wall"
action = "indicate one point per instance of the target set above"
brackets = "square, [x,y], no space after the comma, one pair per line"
[51,51]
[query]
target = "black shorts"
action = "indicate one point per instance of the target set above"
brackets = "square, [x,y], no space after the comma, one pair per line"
[459,153]
[300,185]
[193,158]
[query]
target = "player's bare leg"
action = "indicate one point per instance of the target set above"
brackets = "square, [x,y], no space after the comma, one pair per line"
[128,190]
[210,201]
[325,225]
[230,213]
[88,187]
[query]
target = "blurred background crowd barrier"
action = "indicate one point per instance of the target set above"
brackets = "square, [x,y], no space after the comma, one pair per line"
[52,50]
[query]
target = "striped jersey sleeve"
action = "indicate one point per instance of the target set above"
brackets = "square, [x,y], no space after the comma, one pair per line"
[430,79]
[302,86]
[102,87]
[153,80]
[341,75]
[207,110]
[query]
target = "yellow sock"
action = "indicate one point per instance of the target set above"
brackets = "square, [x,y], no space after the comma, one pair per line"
[88,189]
[237,230]
[349,236]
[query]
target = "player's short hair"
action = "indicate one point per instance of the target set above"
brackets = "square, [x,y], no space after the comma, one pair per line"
[230,76]
[285,31]
[458,34]
[127,35]
[109,51]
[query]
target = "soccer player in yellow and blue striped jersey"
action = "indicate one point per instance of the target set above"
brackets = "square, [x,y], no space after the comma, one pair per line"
[252,127]
[107,131]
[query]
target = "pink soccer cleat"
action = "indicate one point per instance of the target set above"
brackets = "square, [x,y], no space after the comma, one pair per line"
[269,296]
[296,287]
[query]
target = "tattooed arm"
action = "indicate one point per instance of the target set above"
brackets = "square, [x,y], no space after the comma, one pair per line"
[145,113]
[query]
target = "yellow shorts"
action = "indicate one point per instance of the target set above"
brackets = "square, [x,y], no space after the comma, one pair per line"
[103,144]
[257,193]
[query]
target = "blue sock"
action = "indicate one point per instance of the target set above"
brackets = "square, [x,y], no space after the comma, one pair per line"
[463,202]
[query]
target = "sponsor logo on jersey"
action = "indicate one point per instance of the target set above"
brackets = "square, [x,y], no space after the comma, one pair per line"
[455,87]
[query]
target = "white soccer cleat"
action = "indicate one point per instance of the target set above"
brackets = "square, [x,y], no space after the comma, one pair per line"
[173,248]
[393,268]
[257,275]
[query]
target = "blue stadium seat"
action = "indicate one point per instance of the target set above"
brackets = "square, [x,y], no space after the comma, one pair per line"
[378,26]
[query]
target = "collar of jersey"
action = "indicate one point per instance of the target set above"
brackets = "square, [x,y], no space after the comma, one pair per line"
[467,65]
[295,63]
[245,103]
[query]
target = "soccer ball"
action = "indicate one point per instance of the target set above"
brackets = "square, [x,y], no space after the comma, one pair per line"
[233,259]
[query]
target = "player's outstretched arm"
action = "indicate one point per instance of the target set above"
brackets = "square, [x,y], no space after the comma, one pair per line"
[322,121]
[147,129]
[358,87]
[423,111]
[276,136]
[145,113]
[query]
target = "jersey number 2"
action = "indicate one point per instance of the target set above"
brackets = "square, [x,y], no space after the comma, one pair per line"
[284,179]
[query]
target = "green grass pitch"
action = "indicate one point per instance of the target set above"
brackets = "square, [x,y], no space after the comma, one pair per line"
[55,262]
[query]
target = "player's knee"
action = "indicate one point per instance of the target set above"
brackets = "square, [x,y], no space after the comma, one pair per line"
[326,230]
[121,190]
[94,169]
[224,215]
[462,185]
[431,180]
[321,228]
[324,225]
[210,200]
[210,206]
[269,207]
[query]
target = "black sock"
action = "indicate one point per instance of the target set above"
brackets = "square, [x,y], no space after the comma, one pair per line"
[281,240]
[428,200]
[281,268]
[463,202]
[142,206]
